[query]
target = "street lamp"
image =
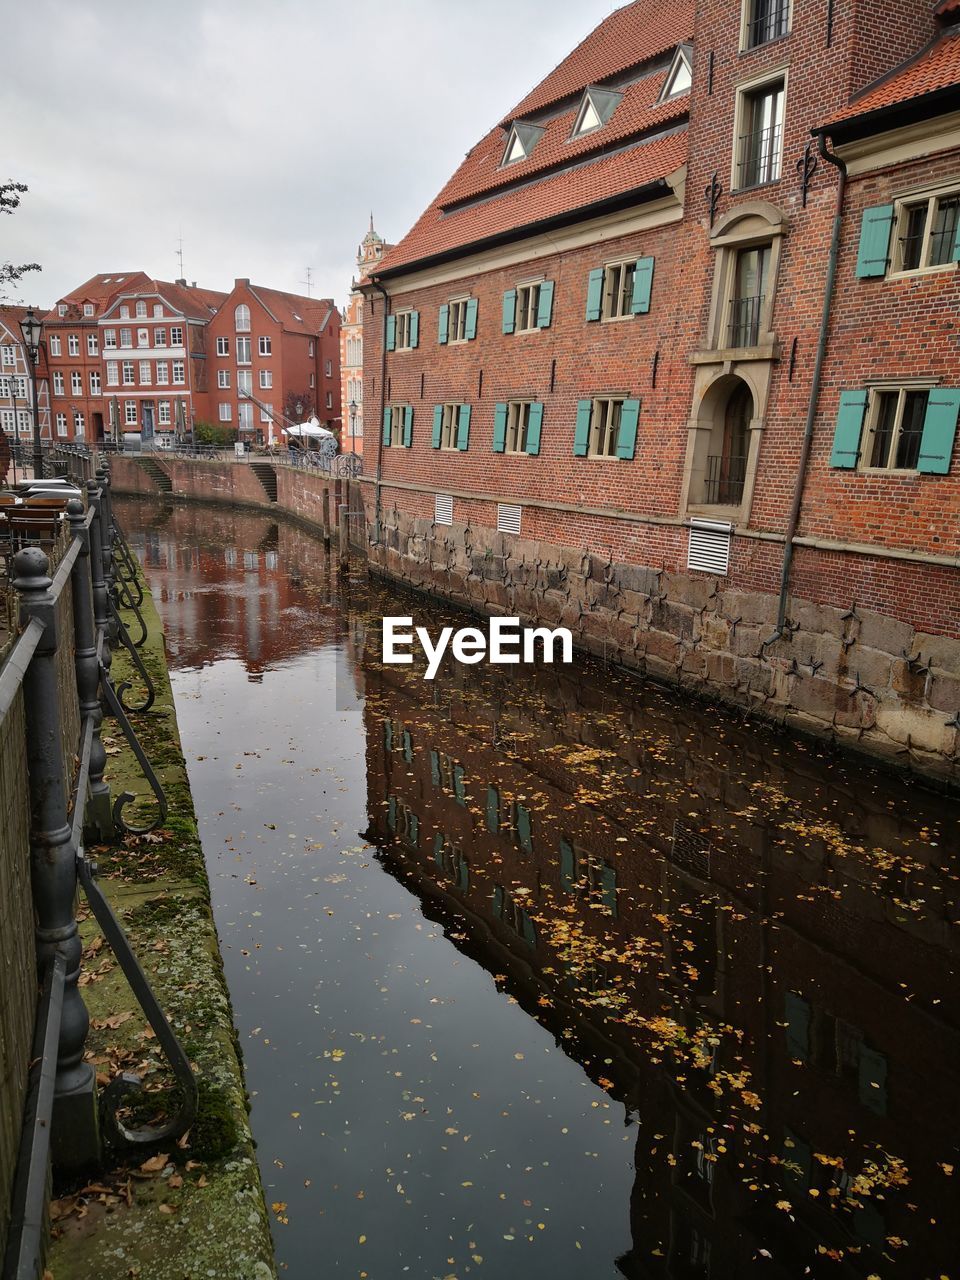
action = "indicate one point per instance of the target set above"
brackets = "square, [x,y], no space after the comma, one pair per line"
[31,328]
[352,406]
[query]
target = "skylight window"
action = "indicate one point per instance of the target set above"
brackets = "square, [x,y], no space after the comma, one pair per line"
[521,141]
[680,76]
[597,107]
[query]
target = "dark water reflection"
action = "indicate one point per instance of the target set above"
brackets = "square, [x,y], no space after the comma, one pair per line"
[610,985]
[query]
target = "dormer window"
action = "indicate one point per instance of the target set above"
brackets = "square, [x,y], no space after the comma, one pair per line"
[680,76]
[597,107]
[523,138]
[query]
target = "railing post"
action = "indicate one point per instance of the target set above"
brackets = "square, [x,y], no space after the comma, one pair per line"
[53,863]
[106,543]
[98,816]
[344,535]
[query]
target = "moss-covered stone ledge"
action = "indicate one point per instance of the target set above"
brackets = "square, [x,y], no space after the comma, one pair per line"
[194,1210]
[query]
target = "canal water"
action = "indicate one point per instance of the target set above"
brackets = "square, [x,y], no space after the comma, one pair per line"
[554,975]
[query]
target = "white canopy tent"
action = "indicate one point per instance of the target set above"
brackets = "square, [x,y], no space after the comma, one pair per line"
[310,430]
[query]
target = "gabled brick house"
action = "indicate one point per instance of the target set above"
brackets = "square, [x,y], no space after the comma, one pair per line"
[604,349]
[270,352]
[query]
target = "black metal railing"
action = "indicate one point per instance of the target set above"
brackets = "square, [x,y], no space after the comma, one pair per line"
[769,20]
[759,153]
[55,688]
[743,327]
[724,480]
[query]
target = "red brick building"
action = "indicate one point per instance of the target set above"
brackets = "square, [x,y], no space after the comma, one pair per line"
[619,384]
[271,352]
[153,345]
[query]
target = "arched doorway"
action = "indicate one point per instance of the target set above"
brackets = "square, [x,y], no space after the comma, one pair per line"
[725,423]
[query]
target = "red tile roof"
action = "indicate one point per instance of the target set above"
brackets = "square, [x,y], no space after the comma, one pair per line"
[937,67]
[101,288]
[637,113]
[589,183]
[189,300]
[641,143]
[630,36]
[294,312]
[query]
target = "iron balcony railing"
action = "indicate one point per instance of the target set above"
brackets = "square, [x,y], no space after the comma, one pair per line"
[760,156]
[770,21]
[725,476]
[743,329]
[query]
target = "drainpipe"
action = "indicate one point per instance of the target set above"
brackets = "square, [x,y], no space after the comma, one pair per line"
[814,387]
[383,405]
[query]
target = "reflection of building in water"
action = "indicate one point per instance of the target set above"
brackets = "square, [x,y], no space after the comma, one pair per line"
[236,585]
[756,954]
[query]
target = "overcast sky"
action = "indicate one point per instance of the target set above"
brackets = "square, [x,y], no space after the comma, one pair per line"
[264,133]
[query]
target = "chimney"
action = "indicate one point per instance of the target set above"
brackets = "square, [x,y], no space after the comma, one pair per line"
[181,282]
[245,282]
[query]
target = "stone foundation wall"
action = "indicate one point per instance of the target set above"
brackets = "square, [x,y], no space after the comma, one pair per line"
[866,680]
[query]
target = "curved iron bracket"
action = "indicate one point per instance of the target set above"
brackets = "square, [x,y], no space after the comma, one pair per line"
[123,635]
[116,1132]
[125,601]
[116,709]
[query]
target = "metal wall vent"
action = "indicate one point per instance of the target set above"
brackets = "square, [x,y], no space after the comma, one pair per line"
[508,519]
[709,549]
[443,509]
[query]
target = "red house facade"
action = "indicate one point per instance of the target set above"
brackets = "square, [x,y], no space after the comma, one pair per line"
[671,360]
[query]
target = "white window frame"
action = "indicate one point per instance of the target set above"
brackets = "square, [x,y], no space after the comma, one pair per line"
[76,382]
[95,387]
[58,389]
[457,320]
[141,309]
[264,345]
[130,413]
[163,413]
[113,373]
[109,339]
[528,307]
[402,331]
[244,351]
[124,313]
[126,373]
[518,426]
[146,373]
[266,379]
[745,94]
[163,373]
[61,424]
[126,338]
[616,301]
[159,337]
[223,379]
[902,207]
[88,308]
[604,434]
[158,311]
[143,337]
[176,335]
[225,411]
[241,318]
[223,346]
[245,382]
[73,344]
[79,423]
[450,426]
[55,347]
[93,344]
[179,374]
[872,421]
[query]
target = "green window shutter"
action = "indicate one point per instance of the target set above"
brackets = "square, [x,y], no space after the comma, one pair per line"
[529,932]
[407,425]
[595,294]
[435,768]
[873,1080]
[463,428]
[581,437]
[510,311]
[407,747]
[386,426]
[437,425]
[392,813]
[463,874]
[443,326]
[846,436]
[939,431]
[534,427]
[498,901]
[438,848]
[472,307]
[875,228]
[414,328]
[956,243]
[545,307]
[414,829]
[388,734]
[523,828]
[608,888]
[567,875]
[642,286]
[459,784]
[493,810]
[500,428]
[627,435]
[391,333]
[797,1017]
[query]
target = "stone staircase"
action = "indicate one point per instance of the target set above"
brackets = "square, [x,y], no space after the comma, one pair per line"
[267,477]
[156,474]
